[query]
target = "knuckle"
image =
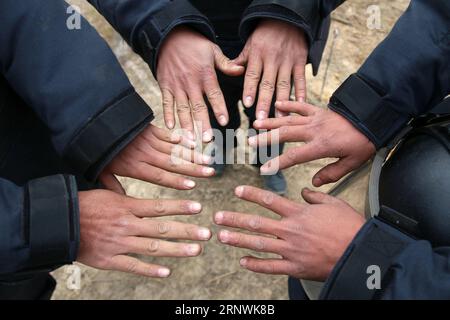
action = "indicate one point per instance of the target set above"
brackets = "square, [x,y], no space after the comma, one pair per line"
[268,198]
[158,177]
[183,108]
[214,94]
[163,227]
[252,75]
[198,107]
[159,206]
[292,154]
[260,244]
[153,246]
[283,84]
[255,223]
[132,266]
[267,85]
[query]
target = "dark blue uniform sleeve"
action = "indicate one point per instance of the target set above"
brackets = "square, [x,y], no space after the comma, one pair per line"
[38,225]
[406,75]
[408,268]
[72,80]
[145,24]
[310,15]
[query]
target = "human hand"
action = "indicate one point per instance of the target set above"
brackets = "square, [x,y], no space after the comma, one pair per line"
[275,53]
[186,73]
[151,157]
[310,238]
[326,134]
[112,226]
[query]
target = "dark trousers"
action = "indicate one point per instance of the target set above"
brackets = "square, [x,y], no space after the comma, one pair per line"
[232,88]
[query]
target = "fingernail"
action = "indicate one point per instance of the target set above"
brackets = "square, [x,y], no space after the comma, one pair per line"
[208,171]
[261,115]
[195,207]
[206,159]
[301,100]
[317,181]
[193,249]
[252,141]
[170,124]
[204,234]
[243,262]
[219,217]
[163,273]
[248,102]
[223,120]
[257,123]
[224,236]
[239,191]
[189,184]
[207,136]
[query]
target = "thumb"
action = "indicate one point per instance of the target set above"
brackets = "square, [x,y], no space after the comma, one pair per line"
[315,197]
[224,64]
[332,172]
[110,182]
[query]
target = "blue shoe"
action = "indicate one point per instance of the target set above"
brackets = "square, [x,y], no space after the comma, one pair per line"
[275,183]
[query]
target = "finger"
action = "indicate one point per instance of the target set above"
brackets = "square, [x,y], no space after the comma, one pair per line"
[284,83]
[266,91]
[257,243]
[314,197]
[283,134]
[224,64]
[159,207]
[268,266]
[110,182]
[175,164]
[160,248]
[135,266]
[161,134]
[242,59]
[303,109]
[275,123]
[292,157]
[333,172]
[300,82]
[184,114]
[180,152]
[254,223]
[269,200]
[200,112]
[216,98]
[152,174]
[168,107]
[251,81]
[168,230]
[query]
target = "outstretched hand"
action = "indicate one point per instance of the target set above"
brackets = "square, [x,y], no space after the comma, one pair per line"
[326,135]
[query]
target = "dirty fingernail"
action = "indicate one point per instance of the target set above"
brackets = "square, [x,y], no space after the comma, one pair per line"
[208,171]
[207,136]
[248,101]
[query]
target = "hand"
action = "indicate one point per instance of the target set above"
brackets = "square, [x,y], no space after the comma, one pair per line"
[151,157]
[310,238]
[113,226]
[278,50]
[327,135]
[186,73]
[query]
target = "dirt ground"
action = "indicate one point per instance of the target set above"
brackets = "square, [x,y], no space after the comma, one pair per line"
[216,273]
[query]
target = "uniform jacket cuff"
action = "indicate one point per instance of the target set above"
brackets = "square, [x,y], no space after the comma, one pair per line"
[104,136]
[51,222]
[377,244]
[368,110]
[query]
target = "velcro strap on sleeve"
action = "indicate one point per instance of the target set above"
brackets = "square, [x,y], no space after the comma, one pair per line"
[51,226]
[106,130]
[368,110]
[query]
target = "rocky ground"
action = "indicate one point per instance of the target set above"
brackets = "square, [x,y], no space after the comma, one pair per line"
[216,274]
